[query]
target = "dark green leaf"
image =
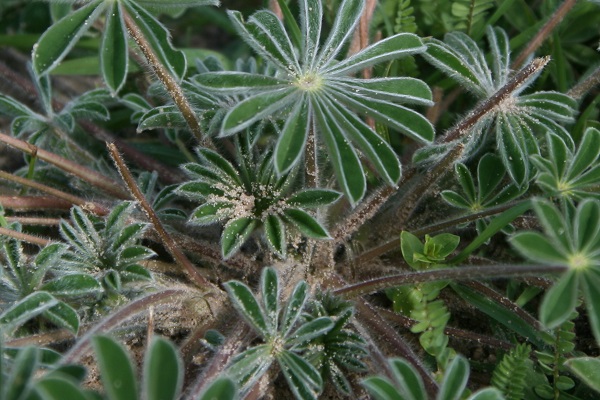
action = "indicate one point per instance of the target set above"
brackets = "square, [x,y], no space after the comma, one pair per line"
[165,117]
[590,282]
[275,233]
[394,89]
[310,330]
[290,145]
[245,302]
[270,296]
[210,213]
[163,371]
[158,37]
[560,301]
[536,247]
[250,365]
[304,380]
[220,389]
[306,224]
[235,233]
[24,367]
[312,198]
[236,83]
[63,316]
[116,369]
[382,389]
[294,307]
[27,308]
[113,53]
[346,19]
[59,388]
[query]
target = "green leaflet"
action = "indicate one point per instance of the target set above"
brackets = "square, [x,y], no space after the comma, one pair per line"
[114,58]
[60,38]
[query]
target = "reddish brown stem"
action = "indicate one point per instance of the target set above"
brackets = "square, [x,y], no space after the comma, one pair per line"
[167,240]
[24,237]
[28,203]
[544,32]
[88,175]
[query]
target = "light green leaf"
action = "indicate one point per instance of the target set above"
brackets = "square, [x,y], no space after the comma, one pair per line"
[402,44]
[236,83]
[256,108]
[377,150]
[116,369]
[236,232]
[408,379]
[536,247]
[587,369]
[114,58]
[163,371]
[348,15]
[60,38]
[455,380]
[394,89]
[244,301]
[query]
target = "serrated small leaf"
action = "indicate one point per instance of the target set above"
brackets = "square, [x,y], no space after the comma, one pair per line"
[306,224]
[235,233]
[163,371]
[244,301]
[116,369]
[60,38]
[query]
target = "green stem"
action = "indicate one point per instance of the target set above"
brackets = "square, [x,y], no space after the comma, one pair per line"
[456,273]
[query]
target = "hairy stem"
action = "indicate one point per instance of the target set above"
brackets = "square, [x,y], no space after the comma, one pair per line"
[456,273]
[544,32]
[34,221]
[88,175]
[170,84]
[582,88]
[24,237]
[36,203]
[169,243]
[90,206]
[113,320]
[488,105]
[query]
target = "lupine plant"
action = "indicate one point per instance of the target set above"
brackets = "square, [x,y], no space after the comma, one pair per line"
[306,199]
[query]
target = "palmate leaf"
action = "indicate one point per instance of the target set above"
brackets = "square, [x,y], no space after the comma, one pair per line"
[308,82]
